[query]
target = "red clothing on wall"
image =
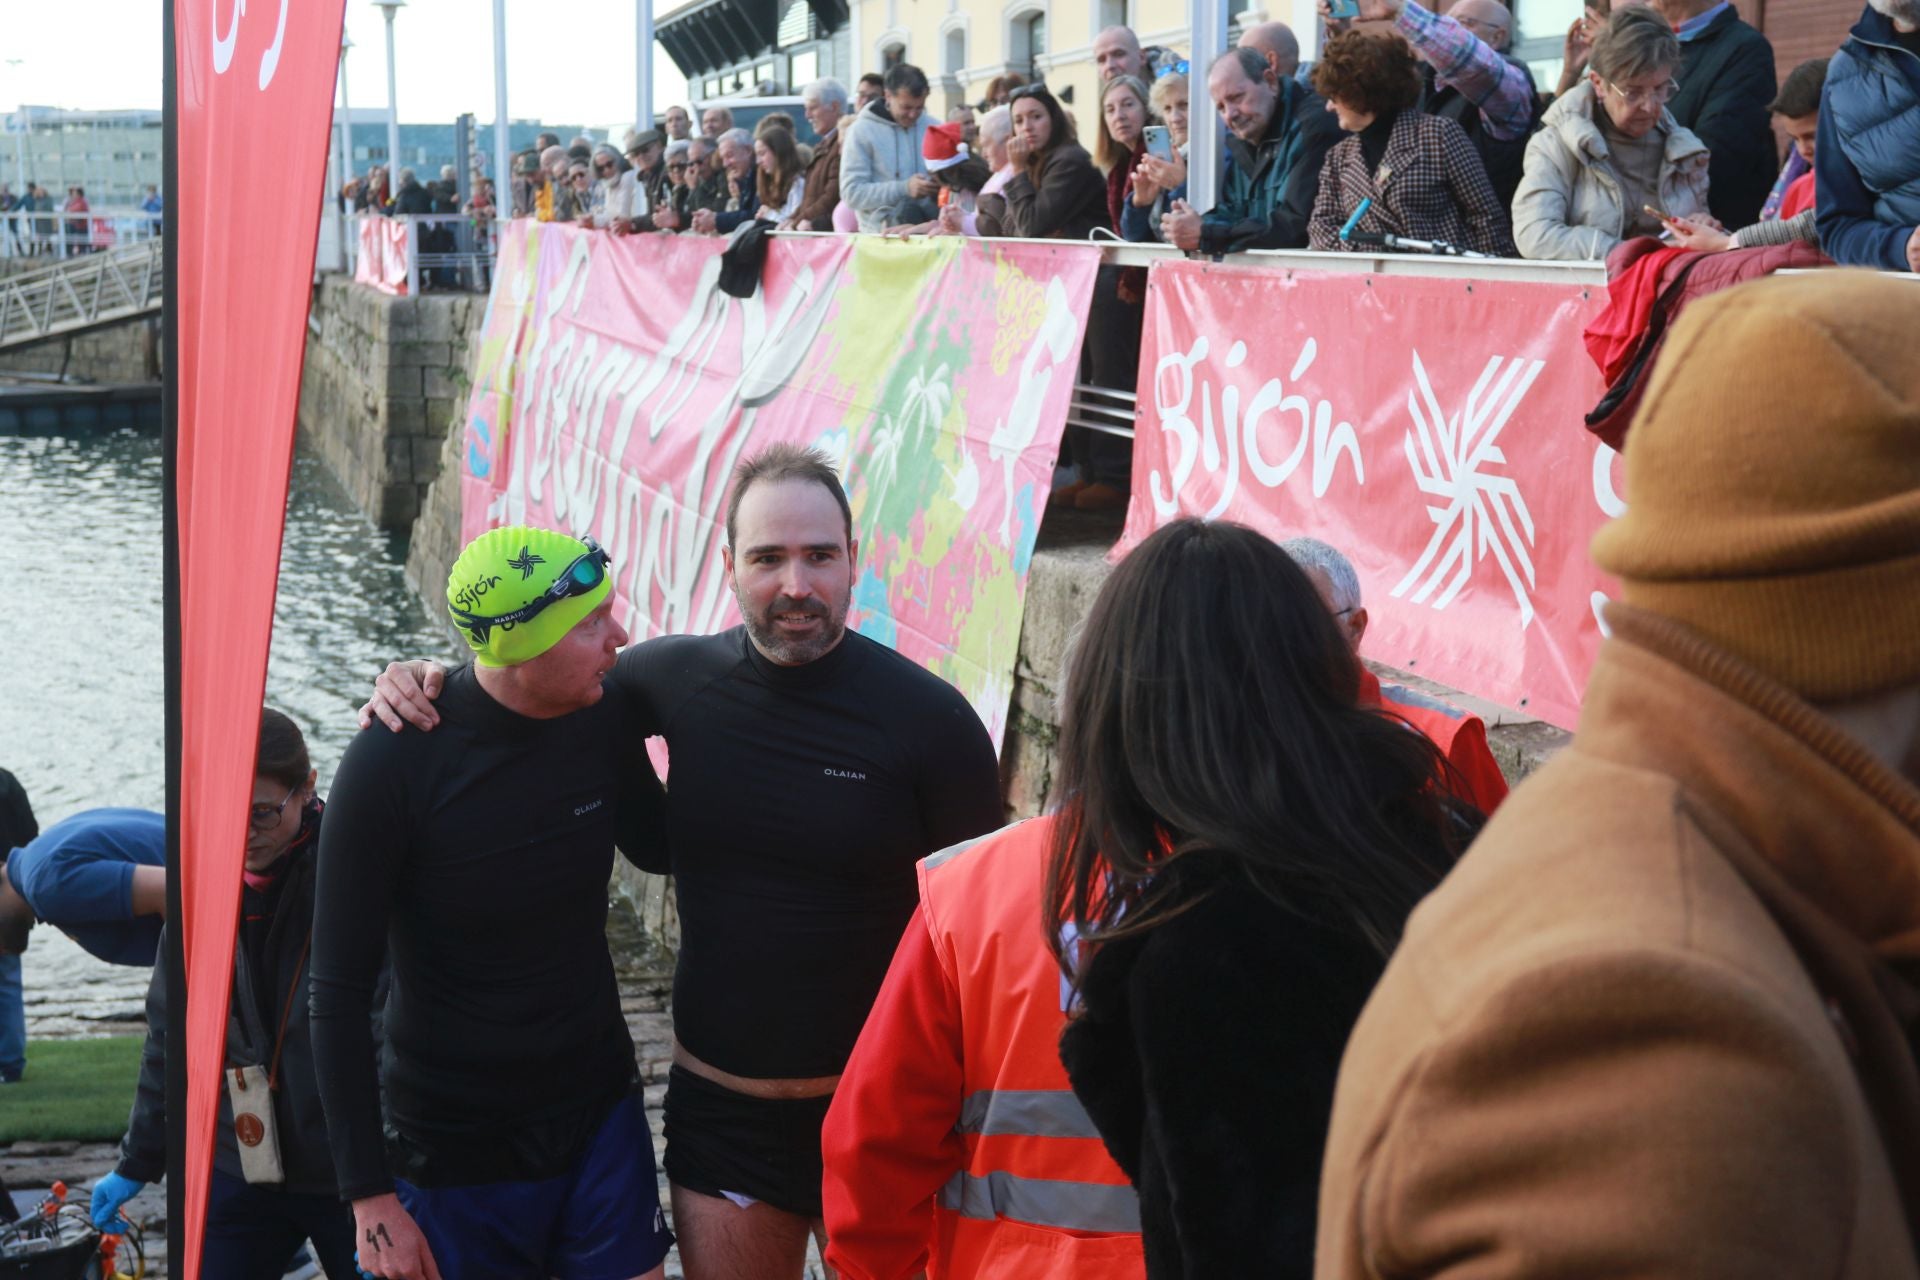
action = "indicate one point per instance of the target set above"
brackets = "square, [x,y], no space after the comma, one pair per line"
[1461,737]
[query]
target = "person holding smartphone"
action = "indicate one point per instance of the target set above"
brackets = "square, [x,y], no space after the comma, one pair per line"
[1610,150]
[1160,175]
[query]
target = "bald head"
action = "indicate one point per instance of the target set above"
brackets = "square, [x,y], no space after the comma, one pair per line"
[1275,42]
[1116,52]
[1488,19]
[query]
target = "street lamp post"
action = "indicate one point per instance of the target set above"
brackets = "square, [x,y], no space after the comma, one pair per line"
[389,8]
[502,175]
[343,159]
[643,68]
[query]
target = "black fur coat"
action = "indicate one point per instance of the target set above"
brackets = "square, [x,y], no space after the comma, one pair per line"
[1206,1052]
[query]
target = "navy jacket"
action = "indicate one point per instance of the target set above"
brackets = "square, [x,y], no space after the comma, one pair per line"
[1726,81]
[1866,159]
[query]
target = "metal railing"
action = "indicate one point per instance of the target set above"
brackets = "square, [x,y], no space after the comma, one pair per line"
[80,293]
[53,234]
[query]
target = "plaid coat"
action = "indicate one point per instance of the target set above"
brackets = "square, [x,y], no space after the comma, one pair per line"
[1430,185]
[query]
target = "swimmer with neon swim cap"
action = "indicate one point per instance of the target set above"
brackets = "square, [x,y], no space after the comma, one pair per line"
[477,858]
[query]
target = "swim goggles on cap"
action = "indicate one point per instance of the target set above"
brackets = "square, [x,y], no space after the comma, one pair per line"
[587,571]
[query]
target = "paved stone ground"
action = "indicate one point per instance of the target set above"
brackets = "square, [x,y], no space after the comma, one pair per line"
[645,982]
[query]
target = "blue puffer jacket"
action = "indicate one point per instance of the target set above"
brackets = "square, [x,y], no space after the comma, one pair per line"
[1867,154]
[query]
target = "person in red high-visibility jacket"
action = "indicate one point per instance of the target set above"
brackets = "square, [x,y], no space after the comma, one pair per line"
[1460,735]
[955,1146]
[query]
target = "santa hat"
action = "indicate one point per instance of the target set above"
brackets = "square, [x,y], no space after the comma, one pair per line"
[943,148]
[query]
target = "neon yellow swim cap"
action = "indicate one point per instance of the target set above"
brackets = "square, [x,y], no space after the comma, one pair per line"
[515,591]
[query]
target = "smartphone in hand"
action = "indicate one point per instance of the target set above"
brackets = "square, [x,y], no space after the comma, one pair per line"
[1343,9]
[1159,142]
[1663,216]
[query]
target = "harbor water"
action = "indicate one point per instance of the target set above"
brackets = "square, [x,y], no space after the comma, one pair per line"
[80,666]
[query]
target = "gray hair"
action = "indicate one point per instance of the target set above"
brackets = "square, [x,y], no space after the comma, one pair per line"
[406,176]
[826,91]
[996,126]
[679,147]
[1252,63]
[1311,553]
[738,137]
[1635,41]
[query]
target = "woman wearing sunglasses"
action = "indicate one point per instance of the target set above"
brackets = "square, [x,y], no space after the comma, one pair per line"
[273,1183]
[1610,161]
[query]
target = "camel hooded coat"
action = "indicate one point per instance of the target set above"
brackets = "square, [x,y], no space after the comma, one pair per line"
[1661,1021]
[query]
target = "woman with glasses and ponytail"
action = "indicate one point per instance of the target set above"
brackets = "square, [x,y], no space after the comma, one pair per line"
[273,1183]
[1610,162]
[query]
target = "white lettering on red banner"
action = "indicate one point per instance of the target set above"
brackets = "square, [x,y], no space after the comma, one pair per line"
[1431,428]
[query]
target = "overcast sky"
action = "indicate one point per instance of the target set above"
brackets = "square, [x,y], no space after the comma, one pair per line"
[568,61]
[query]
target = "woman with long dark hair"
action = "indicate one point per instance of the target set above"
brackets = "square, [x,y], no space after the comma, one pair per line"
[1238,846]
[1055,192]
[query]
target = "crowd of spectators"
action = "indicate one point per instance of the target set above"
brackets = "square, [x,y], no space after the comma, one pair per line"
[1416,131]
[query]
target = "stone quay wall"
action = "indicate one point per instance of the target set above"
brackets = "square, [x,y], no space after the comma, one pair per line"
[128,352]
[385,378]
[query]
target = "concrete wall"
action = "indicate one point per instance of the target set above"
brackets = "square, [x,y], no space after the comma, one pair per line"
[384,380]
[125,352]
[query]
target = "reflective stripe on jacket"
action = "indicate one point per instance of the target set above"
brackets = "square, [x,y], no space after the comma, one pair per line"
[1037,1196]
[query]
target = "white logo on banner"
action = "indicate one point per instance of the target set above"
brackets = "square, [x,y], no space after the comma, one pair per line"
[1316,427]
[1608,500]
[1484,511]
[223,44]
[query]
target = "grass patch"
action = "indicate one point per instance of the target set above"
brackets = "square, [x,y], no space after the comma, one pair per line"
[73,1091]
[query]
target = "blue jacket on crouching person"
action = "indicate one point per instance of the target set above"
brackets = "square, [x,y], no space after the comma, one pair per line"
[1867,154]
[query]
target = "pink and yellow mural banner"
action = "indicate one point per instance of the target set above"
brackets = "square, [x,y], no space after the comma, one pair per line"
[618,385]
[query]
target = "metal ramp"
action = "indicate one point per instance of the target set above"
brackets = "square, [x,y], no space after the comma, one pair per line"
[80,293]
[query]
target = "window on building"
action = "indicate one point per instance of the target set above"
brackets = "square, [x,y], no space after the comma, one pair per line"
[806,68]
[1113,13]
[797,25]
[955,51]
[1539,33]
[1027,40]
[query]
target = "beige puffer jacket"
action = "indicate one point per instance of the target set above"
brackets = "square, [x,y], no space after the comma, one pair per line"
[1570,204]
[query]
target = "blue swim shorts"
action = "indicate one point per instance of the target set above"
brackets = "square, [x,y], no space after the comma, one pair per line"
[600,1220]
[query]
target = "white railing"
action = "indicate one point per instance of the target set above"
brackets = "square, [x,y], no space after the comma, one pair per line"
[52,233]
[85,292]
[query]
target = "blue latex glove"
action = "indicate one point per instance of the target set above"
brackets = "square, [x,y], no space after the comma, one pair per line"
[109,1194]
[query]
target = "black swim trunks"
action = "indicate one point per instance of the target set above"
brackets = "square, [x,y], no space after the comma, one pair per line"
[722,1143]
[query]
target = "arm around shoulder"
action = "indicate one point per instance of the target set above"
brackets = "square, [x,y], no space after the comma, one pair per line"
[1653,1113]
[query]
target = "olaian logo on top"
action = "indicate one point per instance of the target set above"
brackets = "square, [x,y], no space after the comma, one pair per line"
[853,775]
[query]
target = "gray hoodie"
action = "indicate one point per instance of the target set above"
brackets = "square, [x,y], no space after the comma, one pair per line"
[876,159]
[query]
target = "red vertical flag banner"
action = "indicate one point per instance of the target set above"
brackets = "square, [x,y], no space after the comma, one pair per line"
[253,103]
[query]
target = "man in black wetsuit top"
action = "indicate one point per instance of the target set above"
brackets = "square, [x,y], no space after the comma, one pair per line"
[478,858]
[811,768]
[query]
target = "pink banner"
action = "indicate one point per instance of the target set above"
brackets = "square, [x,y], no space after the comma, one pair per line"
[617,386]
[383,254]
[1428,427]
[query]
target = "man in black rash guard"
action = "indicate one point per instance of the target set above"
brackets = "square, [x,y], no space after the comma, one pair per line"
[480,854]
[811,769]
